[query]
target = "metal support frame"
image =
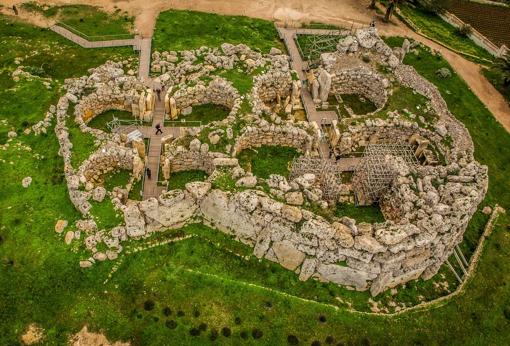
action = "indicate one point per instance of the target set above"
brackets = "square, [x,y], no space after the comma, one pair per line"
[325,170]
[374,174]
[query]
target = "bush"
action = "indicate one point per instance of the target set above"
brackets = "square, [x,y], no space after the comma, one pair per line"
[464,30]
[167,311]
[257,333]
[202,326]
[171,324]
[214,335]
[194,332]
[316,343]
[330,340]
[148,305]
[443,73]
[322,318]
[244,334]
[292,340]
[238,320]
[226,332]
[180,313]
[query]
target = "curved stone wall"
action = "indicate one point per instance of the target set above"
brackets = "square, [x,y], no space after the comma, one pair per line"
[219,92]
[361,81]
[289,136]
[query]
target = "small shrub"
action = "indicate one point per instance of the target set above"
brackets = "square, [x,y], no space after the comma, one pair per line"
[180,313]
[148,305]
[196,313]
[257,333]
[330,340]
[237,319]
[506,312]
[443,73]
[226,332]
[214,335]
[194,332]
[244,334]
[316,343]
[202,326]
[464,30]
[322,318]
[167,311]
[171,324]
[292,340]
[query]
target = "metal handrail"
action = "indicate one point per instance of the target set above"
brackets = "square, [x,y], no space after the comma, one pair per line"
[85,36]
[183,123]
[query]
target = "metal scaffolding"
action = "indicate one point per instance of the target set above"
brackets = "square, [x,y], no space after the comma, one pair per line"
[375,172]
[314,45]
[325,170]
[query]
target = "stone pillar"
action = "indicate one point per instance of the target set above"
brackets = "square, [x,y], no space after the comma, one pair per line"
[173,109]
[325,85]
[139,145]
[167,106]
[138,166]
[296,95]
[166,168]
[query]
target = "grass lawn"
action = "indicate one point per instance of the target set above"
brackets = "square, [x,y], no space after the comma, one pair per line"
[88,21]
[181,30]
[436,28]
[116,178]
[358,105]
[136,191]
[495,78]
[101,121]
[178,180]
[83,143]
[206,113]
[369,214]
[242,81]
[267,160]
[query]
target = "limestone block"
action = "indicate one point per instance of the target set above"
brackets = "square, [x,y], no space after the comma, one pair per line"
[344,276]
[287,254]
[325,85]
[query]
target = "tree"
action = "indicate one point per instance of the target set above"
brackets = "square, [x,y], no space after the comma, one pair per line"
[502,65]
[390,9]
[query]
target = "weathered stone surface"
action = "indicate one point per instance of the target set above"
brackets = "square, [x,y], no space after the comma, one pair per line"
[98,194]
[368,243]
[198,189]
[291,213]
[344,276]
[85,264]
[135,224]
[343,235]
[248,181]
[287,254]
[69,237]
[294,198]
[307,269]
[60,226]
[26,182]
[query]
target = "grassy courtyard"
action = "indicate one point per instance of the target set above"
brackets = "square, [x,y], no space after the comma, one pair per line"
[267,160]
[208,29]
[207,289]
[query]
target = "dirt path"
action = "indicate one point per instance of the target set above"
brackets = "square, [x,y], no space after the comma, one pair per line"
[341,12]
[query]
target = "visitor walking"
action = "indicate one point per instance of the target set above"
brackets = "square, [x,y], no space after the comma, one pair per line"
[158,129]
[15,9]
[158,91]
[148,172]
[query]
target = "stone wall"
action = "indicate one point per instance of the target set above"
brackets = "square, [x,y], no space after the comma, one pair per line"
[219,92]
[286,135]
[363,82]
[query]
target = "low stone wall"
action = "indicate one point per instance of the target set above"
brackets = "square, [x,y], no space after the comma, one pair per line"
[106,159]
[363,82]
[219,92]
[289,136]
[393,130]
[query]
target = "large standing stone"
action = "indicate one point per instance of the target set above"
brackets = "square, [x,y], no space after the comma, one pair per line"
[294,198]
[344,276]
[307,269]
[325,85]
[135,225]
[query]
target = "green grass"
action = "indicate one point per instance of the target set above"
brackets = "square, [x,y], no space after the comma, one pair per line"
[83,143]
[105,215]
[40,280]
[369,214]
[178,180]
[496,79]
[101,121]
[136,191]
[242,81]
[206,113]
[182,30]
[267,160]
[436,28]
[357,105]
[88,21]
[57,57]
[116,178]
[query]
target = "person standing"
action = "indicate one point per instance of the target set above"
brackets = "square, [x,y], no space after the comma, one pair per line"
[148,172]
